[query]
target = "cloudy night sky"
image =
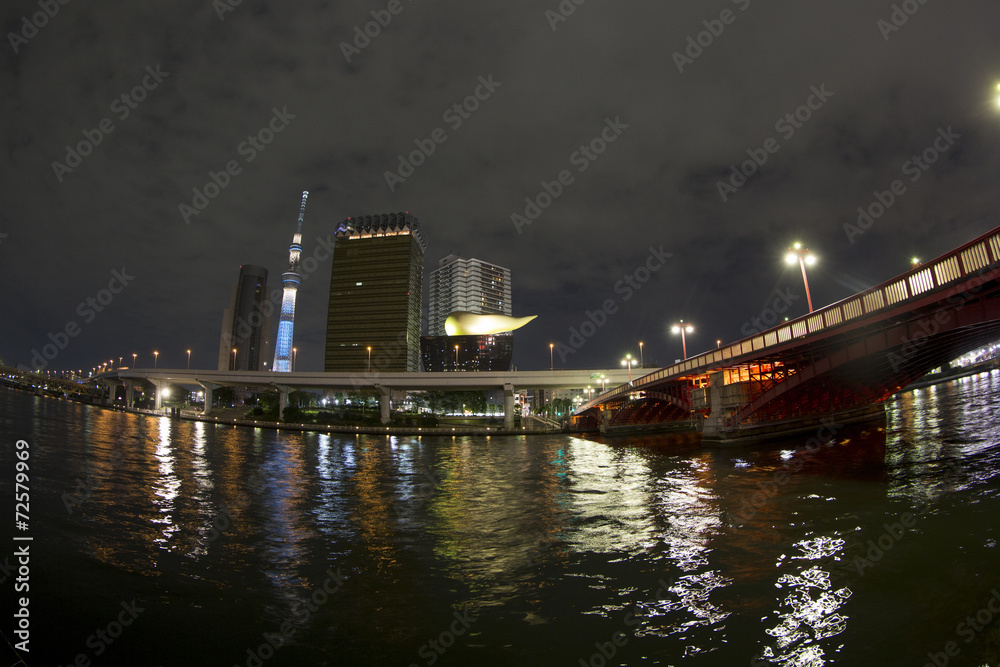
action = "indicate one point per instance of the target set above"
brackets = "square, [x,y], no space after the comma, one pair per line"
[685,115]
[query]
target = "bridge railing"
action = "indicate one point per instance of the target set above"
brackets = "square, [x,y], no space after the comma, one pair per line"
[965,261]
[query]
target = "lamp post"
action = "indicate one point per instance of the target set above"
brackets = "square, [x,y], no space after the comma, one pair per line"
[641,364]
[683,329]
[803,257]
[234,360]
[134,355]
[295,352]
[369,358]
[627,361]
[189,359]
[718,343]
[456,358]
[552,365]
[156,357]
[120,361]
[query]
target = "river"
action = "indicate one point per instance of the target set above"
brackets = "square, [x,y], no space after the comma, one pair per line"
[163,542]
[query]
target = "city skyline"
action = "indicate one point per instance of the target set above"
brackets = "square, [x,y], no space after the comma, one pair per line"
[568,163]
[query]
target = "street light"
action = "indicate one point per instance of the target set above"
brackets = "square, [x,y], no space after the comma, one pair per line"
[295,352]
[552,365]
[134,355]
[369,358]
[683,329]
[156,357]
[189,359]
[120,362]
[718,343]
[456,357]
[802,255]
[234,360]
[641,365]
[627,361]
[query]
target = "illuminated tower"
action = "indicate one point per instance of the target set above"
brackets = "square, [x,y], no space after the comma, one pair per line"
[290,281]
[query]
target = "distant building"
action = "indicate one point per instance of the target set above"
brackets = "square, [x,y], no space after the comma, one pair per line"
[492,352]
[246,324]
[376,290]
[470,285]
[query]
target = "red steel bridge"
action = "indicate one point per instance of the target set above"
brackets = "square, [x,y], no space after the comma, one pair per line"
[842,361]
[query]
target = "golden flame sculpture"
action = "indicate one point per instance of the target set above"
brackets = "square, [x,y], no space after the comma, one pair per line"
[463,323]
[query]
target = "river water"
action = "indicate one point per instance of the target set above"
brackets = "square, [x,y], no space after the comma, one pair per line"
[159,542]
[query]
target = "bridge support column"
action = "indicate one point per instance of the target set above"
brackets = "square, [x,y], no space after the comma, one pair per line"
[721,409]
[508,406]
[110,386]
[283,392]
[158,393]
[208,388]
[385,397]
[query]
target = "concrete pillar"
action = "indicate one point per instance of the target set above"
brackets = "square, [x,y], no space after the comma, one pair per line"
[110,386]
[385,396]
[508,406]
[208,388]
[157,391]
[715,421]
[283,392]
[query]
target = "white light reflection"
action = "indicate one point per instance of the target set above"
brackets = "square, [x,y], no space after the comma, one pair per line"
[167,484]
[811,607]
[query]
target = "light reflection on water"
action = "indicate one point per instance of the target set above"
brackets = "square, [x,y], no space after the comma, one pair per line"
[717,556]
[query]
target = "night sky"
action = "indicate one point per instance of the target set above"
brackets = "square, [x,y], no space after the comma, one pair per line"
[215,81]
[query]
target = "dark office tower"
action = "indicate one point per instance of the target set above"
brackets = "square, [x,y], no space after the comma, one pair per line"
[376,285]
[246,324]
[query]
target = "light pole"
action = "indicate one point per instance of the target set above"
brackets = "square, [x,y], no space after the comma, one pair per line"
[552,365]
[683,329]
[627,361]
[803,257]
[456,357]
[189,359]
[369,358]
[120,362]
[641,364]
[156,357]
[234,360]
[134,355]
[718,343]
[295,352]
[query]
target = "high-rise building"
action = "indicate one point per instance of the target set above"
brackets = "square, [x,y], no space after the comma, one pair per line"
[246,323]
[376,283]
[290,281]
[469,285]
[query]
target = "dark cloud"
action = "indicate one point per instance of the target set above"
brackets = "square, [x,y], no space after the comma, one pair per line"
[656,184]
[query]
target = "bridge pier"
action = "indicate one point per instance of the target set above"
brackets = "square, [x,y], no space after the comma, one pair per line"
[157,393]
[385,396]
[110,386]
[208,388]
[508,406]
[283,392]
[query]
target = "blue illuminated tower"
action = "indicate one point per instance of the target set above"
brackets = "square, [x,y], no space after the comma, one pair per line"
[290,281]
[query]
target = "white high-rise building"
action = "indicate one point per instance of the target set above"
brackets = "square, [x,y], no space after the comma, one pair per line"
[470,285]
